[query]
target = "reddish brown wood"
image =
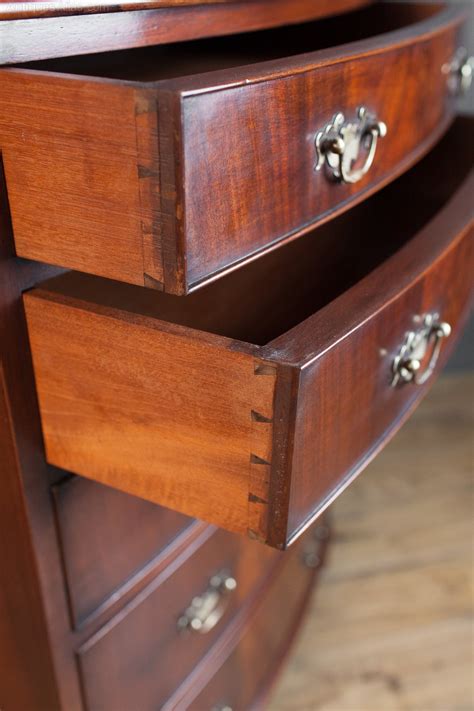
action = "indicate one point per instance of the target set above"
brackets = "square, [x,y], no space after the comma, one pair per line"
[246,674]
[191,435]
[43,35]
[257,438]
[34,672]
[258,678]
[142,649]
[133,197]
[25,678]
[344,352]
[99,551]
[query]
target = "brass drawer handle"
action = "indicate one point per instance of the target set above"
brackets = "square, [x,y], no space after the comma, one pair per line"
[406,366]
[206,610]
[339,143]
[460,72]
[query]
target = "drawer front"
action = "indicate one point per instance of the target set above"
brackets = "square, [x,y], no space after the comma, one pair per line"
[348,401]
[255,143]
[100,553]
[171,183]
[259,439]
[147,650]
[246,675]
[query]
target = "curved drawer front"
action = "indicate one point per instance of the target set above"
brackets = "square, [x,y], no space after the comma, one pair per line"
[147,649]
[254,402]
[245,676]
[100,554]
[170,183]
[260,138]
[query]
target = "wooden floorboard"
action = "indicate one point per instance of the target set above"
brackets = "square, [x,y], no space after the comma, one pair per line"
[391,625]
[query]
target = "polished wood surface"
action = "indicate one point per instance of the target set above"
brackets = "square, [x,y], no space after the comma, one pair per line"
[393,613]
[190,437]
[144,166]
[243,679]
[130,194]
[34,673]
[145,636]
[224,429]
[99,552]
[303,564]
[101,170]
[54,32]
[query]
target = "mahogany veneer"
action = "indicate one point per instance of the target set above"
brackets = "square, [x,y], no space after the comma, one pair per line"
[99,557]
[246,674]
[252,405]
[115,163]
[249,403]
[38,29]
[151,618]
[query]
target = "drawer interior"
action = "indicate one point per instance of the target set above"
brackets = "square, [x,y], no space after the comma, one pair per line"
[265,298]
[187,58]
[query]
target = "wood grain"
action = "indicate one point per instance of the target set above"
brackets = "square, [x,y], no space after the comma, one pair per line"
[34,671]
[244,676]
[350,382]
[98,552]
[35,30]
[256,439]
[145,636]
[189,433]
[16,598]
[138,203]
[91,165]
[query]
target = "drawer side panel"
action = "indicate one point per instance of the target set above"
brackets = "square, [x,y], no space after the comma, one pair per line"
[70,149]
[153,413]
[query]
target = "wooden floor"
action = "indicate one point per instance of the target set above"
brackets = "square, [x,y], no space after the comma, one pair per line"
[391,626]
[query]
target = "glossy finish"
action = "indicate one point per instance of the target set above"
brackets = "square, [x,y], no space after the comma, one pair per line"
[39,30]
[247,672]
[143,650]
[100,553]
[130,193]
[33,604]
[145,170]
[247,407]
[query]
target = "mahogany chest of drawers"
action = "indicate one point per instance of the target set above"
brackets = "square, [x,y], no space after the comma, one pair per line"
[235,250]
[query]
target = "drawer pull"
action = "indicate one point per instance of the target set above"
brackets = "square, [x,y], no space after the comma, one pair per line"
[339,143]
[459,71]
[406,367]
[206,610]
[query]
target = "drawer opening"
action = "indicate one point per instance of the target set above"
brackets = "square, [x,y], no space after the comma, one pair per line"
[157,63]
[266,298]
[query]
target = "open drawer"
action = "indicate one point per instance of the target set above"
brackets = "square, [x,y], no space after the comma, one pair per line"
[252,403]
[169,166]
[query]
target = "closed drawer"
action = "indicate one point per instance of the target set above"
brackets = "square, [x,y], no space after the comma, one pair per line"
[107,538]
[254,402]
[169,166]
[244,678]
[140,657]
